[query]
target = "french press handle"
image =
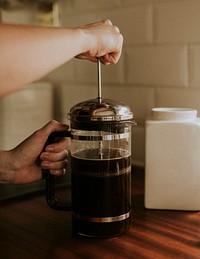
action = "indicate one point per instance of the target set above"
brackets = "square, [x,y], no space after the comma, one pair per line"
[51,198]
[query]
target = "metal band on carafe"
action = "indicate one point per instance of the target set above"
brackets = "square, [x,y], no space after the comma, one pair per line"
[102,219]
[100,137]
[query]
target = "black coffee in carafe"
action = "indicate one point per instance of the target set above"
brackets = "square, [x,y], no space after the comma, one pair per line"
[101,192]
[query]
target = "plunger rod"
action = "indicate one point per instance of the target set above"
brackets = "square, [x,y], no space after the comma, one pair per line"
[99,79]
[100,99]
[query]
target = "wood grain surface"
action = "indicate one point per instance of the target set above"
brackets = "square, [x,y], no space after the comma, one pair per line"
[30,229]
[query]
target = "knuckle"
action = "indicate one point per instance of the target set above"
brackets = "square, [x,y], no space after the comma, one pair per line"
[107,21]
[121,38]
[116,29]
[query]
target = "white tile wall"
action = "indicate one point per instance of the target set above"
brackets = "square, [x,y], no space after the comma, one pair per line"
[160,64]
[177,21]
[171,97]
[157,65]
[24,112]
[194,65]
[71,94]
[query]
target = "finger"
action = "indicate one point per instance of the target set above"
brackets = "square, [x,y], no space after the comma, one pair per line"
[52,126]
[104,61]
[57,146]
[112,58]
[106,22]
[84,56]
[59,165]
[109,59]
[58,172]
[54,157]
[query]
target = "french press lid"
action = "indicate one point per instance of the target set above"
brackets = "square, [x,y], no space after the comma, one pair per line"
[100,114]
[96,113]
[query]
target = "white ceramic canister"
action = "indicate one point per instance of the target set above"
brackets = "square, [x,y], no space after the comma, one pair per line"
[172,159]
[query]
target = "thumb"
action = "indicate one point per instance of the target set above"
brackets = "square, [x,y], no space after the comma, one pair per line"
[39,138]
[52,126]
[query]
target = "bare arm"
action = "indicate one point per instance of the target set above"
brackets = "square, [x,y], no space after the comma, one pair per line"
[28,53]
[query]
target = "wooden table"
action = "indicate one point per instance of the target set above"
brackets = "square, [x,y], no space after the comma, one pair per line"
[30,229]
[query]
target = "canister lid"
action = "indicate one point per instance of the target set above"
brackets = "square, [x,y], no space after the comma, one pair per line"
[100,110]
[175,114]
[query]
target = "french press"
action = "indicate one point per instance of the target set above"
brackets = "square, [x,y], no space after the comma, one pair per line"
[100,153]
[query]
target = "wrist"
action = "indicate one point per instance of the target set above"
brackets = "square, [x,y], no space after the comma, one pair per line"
[6,167]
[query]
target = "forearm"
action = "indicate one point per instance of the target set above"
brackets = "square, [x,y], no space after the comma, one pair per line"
[29,53]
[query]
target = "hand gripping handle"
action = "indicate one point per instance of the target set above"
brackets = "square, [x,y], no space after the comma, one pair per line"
[51,199]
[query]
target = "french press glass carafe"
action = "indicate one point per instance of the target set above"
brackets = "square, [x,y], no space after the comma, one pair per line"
[100,168]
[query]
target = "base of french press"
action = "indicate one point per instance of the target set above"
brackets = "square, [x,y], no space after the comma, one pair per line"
[94,229]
